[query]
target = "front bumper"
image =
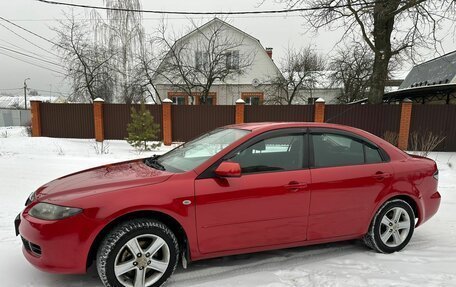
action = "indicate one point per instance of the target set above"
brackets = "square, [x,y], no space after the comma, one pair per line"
[63,244]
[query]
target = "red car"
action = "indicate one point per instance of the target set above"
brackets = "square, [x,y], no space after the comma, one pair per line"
[238,189]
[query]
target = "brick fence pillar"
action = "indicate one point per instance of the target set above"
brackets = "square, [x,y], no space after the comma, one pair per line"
[167,122]
[98,119]
[319,111]
[404,128]
[36,118]
[240,108]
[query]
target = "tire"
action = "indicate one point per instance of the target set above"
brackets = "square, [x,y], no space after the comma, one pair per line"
[392,227]
[156,258]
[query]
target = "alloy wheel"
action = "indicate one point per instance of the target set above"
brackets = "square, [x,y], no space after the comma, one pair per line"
[395,227]
[142,261]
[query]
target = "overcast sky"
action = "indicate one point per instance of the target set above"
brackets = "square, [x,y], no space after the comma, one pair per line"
[276,31]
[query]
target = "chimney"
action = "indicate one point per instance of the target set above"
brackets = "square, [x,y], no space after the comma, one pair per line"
[269,52]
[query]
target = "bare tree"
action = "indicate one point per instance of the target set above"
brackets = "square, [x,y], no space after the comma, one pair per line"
[107,60]
[123,32]
[301,70]
[194,64]
[86,64]
[147,61]
[351,68]
[393,28]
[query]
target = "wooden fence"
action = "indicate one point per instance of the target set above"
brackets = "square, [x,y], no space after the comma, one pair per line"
[181,123]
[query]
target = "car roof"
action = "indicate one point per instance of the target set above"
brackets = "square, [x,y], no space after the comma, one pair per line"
[264,126]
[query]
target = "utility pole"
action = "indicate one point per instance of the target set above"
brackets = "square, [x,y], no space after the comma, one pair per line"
[25,92]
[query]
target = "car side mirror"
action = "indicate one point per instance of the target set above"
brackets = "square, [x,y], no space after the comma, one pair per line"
[228,169]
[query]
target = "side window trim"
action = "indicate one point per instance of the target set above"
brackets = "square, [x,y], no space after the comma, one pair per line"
[209,172]
[365,142]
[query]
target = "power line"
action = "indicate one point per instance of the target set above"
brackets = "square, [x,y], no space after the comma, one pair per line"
[159,18]
[16,89]
[25,50]
[28,41]
[34,64]
[28,31]
[33,57]
[293,10]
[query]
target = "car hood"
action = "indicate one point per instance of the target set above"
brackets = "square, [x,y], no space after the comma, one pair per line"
[96,180]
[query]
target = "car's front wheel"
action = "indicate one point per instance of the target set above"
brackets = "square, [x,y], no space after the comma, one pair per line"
[138,253]
[392,227]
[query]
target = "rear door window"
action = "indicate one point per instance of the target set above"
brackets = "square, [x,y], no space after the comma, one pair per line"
[372,155]
[340,150]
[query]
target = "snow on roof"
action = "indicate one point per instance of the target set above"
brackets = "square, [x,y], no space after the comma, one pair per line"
[18,101]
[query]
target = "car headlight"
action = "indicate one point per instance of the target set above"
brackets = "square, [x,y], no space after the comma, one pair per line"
[47,211]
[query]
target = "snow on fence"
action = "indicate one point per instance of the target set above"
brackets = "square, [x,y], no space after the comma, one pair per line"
[10,117]
[181,123]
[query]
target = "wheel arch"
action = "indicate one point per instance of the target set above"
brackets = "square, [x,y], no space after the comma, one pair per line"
[166,219]
[411,201]
[405,197]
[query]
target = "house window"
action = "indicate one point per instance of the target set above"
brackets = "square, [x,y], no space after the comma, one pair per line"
[253,101]
[253,98]
[210,100]
[201,60]
[232,60]
[178,100]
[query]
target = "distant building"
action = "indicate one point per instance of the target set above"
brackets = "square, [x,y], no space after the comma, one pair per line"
[17,102]
[323,88]
[249,86]
[433,82]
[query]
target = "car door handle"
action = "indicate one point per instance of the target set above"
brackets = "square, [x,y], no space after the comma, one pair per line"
[380,175]
[295,186]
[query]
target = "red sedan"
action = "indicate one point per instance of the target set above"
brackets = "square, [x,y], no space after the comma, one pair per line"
[238,189]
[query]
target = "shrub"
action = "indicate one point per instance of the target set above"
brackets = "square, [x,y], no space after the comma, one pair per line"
[391,137]
[142,129]
[101,148]
[424,143]
[28,129]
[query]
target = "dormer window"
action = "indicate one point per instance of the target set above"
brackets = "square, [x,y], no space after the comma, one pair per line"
[201,60]
[232,60]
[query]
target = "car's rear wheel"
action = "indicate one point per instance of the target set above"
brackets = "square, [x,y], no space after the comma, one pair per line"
[392,227]
[138,253]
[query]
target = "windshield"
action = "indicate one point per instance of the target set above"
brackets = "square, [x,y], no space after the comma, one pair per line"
[191,154]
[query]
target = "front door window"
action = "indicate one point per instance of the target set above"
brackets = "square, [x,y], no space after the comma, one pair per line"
[273,154]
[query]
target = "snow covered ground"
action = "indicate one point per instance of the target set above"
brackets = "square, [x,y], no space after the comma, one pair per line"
[429,260]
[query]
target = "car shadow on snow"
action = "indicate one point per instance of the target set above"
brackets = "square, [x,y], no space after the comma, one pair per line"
[238,265]
[229,266]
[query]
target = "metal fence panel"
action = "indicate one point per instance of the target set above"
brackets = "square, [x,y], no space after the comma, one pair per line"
[118,116]
[10,117]
[438,119]
[67,120]
[376,119]
[269,113]
[191,121]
